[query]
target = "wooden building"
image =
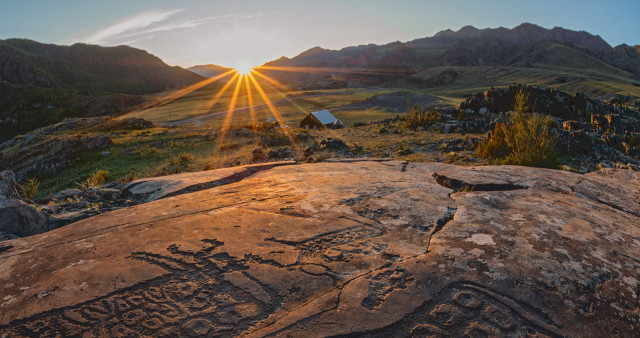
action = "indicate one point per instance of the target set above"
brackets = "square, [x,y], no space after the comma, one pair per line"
[321,119]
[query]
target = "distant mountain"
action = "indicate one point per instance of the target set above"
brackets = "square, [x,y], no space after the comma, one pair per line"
[209,70]
[41,84]
[525,46]
[88,69]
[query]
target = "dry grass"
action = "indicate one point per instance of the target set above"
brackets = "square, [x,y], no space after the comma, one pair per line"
[30,187]
[98,177]
[144,150]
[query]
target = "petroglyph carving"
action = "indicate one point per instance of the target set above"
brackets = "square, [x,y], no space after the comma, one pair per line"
[195,297]
[466,309]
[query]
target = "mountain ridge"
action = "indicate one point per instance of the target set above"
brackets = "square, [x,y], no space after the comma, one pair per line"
[209,70]
[41,84]
[497,43]
[88,68]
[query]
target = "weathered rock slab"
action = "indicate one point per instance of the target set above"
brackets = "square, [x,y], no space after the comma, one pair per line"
[343,249]
[154,188]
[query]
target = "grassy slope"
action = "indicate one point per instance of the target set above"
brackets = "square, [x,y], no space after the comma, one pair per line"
[160,148]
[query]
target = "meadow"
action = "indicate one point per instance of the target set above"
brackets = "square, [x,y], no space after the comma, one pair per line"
[188,135]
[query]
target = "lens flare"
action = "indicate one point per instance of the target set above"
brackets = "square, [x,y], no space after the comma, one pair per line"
[243,71]
[243,68]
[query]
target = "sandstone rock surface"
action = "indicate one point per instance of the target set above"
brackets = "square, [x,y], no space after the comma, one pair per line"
[360,248]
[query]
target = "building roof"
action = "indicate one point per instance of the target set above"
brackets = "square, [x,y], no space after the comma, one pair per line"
[324,116]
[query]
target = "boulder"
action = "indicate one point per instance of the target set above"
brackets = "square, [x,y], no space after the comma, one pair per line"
[281,154]
[96,142]
[333,143]
[350,248]
[9,187]
[133,123]
[21,219]
[5,236]
[67,193]
[17,217]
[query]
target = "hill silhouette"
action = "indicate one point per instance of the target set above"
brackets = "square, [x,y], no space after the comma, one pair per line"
[41,84]
[525,46]
[89,69]
[209,70]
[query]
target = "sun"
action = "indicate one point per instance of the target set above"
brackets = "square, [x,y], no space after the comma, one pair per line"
[243,68]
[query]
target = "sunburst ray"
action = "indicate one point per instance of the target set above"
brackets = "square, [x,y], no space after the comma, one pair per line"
[222,91]
[250,99]
[232,106]
[282,88]
[179,93]
[273,109]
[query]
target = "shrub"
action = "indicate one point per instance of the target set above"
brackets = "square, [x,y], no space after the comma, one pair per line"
[521,104]
[98,177]
[30,187]
[404,150]
[145,150]
[185,157]
[526,140]
[130,177]
[418,118]
[494,146]
[531,141]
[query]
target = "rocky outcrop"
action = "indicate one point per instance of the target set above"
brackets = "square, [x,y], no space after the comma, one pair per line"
[358,248]
[589,131]
[17,218]
[21,219]
[9,187]
[554,103]
[50,150]
[48,154]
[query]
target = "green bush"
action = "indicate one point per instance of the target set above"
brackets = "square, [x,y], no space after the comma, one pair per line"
[98,177]
[30,187]
[526,140]
[185,157]
[418,118]
[494,146]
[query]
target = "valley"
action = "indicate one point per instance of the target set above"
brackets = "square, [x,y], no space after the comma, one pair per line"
[374,190]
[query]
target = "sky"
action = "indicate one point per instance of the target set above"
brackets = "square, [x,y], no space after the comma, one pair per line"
[246,33]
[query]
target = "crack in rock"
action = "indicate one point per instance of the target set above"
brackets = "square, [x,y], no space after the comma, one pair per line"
[440,223]
[461,186]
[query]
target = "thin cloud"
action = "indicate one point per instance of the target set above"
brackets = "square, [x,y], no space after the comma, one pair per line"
[141,26]
[124,28]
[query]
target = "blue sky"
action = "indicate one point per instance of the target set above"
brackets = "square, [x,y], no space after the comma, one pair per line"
[252,32]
